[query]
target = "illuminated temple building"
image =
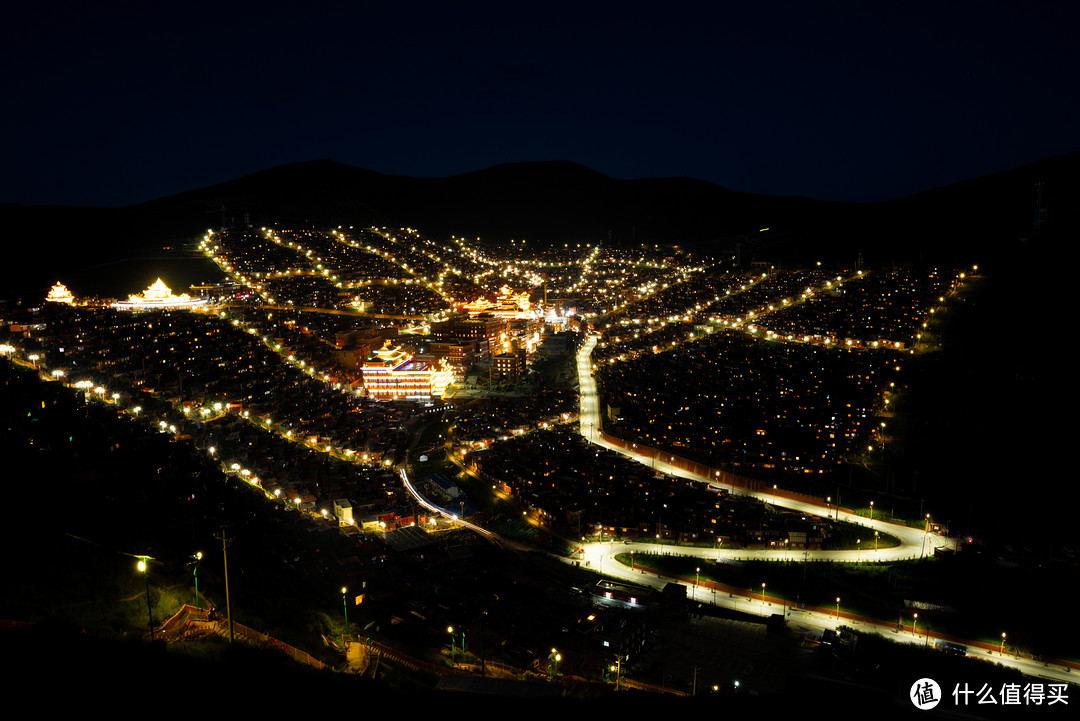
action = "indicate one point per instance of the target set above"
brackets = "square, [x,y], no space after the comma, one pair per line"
[391,374]
[60,294]
[158,296]
[507,304]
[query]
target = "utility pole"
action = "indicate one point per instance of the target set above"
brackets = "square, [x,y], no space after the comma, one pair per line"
[225,543]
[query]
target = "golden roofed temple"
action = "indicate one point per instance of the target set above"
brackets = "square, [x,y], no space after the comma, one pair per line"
[507,304]
[60,294]
[391,374]
[158,296]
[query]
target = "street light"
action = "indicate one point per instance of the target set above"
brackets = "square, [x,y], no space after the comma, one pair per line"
[914,623]
[926,537]
[195,572]
[1002,649]
[763,594]
[617,668]
[345,605]
[144,570]
[837,608]
[697,580]
[553,664]
[871,510]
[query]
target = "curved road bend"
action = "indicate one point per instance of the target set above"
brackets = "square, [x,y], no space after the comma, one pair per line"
[914,543]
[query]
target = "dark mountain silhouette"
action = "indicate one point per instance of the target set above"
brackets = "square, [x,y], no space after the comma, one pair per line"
[978,220]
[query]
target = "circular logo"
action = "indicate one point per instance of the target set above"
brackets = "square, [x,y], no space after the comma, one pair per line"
[925,694]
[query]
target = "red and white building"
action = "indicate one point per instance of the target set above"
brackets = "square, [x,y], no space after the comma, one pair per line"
[392,374]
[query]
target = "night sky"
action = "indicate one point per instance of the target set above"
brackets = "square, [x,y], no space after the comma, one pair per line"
[115,103]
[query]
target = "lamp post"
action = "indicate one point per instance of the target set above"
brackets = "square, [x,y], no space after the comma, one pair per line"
[553,664]
[871,510]
[837,608]
[927,536]
[858,550]
[914,623]
[763,594]
[345,605]
[144,569]
[1002,649]
[195,572]
[450,630]
[697,580]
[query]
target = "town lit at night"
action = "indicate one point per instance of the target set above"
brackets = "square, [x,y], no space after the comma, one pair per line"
[683,360]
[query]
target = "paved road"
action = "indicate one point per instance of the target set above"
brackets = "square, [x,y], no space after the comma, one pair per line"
[600,557]
[914,542]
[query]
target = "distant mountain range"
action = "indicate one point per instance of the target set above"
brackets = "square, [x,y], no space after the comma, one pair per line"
[980,220]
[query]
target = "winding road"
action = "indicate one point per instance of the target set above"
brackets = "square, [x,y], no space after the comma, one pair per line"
[914,542]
